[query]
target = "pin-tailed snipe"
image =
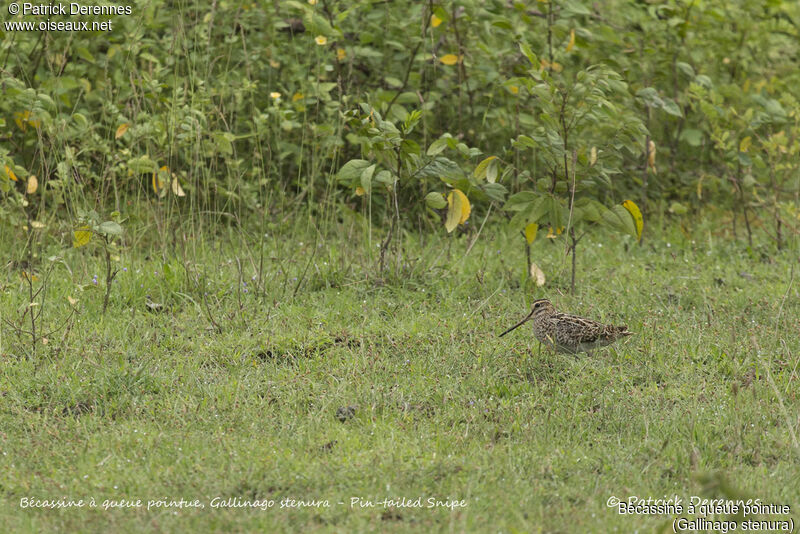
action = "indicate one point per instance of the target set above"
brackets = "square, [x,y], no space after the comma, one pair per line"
[569,333]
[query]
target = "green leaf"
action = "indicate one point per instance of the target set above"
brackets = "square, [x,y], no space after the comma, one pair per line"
[409,147]
[555,213]
[618,218]
[520,201]
[686,69]
[672,108]
[481,171]
[437,147]
[84,53]
[393,82]
[591,210]
[224,142]
[525,49]
[525,142]
[576,8]
[704,80]
[496,192]
[745,160]
[435,200]
[352,170]
[774,107]
[677,208]
[692,137]
[532,211]
[366,178]
[650,97]
[385,177]
[110,228]
[142,165]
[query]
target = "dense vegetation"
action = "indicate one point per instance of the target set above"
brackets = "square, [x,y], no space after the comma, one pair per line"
[234,109]
[312,209]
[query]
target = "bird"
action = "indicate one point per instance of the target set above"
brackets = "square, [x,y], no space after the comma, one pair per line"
[569,333]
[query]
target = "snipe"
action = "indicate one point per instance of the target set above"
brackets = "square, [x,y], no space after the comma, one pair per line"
[569,333]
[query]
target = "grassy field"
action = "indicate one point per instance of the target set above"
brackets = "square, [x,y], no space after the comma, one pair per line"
[308,377]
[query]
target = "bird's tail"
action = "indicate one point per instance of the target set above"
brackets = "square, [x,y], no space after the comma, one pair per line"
[623,331]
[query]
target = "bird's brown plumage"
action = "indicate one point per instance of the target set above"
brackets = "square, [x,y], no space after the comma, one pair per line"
[569,333]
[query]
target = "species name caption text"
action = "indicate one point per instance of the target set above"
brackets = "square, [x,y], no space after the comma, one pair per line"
[285,503]
[72,9]
[747,515]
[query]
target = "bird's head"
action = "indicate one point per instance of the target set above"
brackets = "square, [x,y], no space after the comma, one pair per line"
[539,306]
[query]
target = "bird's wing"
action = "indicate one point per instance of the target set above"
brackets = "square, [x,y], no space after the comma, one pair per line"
[572,328]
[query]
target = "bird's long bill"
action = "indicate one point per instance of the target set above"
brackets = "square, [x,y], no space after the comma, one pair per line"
[522,322]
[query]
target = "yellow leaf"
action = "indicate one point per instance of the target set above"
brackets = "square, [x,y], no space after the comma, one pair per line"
[297,96]
[11,174]
[274,64]
[177,190]
[81,236]
[453,212]
[341,54]
[121,130]
[593,156]
[745,143]
[555,66]
[435,21]
[21,118]
[651,156]
[482,169]
[360,191]
[571,43]
[633,209]
[530,232]
[449,59]
[537,274]
[158,184]
[33,185]
[466,209]
[458,209]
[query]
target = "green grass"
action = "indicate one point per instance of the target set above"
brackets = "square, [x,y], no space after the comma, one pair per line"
[160,405]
